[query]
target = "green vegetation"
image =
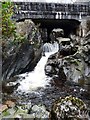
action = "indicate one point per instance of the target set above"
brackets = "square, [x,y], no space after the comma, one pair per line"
[8,25]
[9,34]
[11,39]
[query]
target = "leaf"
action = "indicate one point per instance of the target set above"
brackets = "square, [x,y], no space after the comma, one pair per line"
[5,113]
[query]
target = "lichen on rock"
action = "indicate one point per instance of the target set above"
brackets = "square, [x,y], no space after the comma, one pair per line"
[69,108]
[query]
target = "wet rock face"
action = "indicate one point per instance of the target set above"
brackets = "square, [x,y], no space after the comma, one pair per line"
[51,67]
[55,70]
[76,66]
[67,46]
[29,29]
[56,33]
[68,50]
[69,108]
[40,112]
[18,62]
[22,57]
[86,49]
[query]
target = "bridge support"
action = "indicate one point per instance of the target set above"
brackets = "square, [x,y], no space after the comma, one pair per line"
[47,25]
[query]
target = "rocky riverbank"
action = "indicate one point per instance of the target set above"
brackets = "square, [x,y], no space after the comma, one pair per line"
[68,71]
[21,55]
[73,67]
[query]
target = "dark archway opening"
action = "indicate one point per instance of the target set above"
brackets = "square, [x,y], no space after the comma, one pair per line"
[47,25]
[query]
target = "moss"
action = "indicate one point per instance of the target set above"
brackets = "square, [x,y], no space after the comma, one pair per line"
[5,113]
[68,108]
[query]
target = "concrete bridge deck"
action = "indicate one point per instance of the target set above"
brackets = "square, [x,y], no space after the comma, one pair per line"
[35,10]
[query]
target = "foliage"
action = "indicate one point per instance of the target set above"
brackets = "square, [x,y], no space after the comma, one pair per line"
[8,25]
[19,38]
[10,37]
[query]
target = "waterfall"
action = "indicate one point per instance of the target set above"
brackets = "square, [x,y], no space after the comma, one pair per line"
[37,78]
[48,47]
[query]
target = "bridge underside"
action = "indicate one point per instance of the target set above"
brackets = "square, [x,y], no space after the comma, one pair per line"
[52,15]
[68,25]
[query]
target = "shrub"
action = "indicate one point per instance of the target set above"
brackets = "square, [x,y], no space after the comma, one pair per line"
[8,25]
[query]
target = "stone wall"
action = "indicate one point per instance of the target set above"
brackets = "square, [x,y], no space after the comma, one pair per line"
[51,10]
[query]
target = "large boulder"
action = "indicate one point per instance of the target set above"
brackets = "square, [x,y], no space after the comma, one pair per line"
[17,62]
[30,31]
[69,108]
[21,56]
[76,66]
[51,67]
[56,33]
[67,46]
[55,70]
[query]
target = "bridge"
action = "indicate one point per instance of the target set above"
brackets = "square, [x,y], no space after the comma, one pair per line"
[40,10]
[53,15]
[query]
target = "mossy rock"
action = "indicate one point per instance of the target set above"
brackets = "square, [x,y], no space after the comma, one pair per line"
[69,108]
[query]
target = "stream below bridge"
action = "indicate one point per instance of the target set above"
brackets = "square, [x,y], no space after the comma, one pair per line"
[37,88]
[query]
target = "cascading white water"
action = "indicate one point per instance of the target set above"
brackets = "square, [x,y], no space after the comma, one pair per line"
[37,78]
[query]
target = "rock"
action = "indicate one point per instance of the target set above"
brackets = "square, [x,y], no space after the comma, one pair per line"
[56,33]
[66,46]
[74,39]
[67,50]
[73,68]
[27,116]
[11,111]
[63,40]
[35,112]
[69,108]
[61,75]
[55,70]
[7,88]
[51,68]
[21,57]
[48,69]
[86,48]
[15,112]
[28,29]
[40,112]
[87,38]
[10,103]
[59,79]
[75,61]
[3,108]
[18,62]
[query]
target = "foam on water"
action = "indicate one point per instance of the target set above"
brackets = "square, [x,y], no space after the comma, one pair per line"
[37,78]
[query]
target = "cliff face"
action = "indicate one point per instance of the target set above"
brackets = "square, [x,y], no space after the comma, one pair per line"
[22,57]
